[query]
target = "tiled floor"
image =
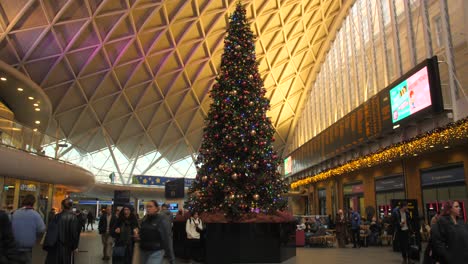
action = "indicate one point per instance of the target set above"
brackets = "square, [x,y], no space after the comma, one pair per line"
[90,252]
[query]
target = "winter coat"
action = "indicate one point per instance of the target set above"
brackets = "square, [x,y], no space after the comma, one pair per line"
[450,241]
[102,227]
[8,252]
[69,229]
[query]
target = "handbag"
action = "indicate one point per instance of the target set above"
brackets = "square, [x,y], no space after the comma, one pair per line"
[119,251]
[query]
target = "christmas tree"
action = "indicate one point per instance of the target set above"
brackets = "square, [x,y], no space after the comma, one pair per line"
[236,164]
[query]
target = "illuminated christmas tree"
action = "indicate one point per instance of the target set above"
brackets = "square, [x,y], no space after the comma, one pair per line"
[236,164]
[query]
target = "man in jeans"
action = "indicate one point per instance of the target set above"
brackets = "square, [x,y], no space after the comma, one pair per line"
[28,227]
[106,222]
[355,219]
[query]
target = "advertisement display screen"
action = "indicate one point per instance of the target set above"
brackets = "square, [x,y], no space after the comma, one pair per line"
[410,96]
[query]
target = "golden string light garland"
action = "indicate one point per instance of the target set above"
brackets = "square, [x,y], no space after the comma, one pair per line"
[417,145]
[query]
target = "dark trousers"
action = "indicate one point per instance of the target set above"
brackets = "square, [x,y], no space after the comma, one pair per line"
[403,240]
[195,249]
[355,234]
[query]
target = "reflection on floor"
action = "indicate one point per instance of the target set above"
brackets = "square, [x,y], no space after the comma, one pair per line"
[90,252]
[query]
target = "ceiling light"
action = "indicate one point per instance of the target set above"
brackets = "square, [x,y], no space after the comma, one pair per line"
[447,147]
[31,98]
[35,130]
[415,154]
[20,89]
[36,104]
[431,146]
[37,109]
[3,79]
[37,122]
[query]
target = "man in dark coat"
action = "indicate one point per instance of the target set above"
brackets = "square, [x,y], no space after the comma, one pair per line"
[8,252]
[69,229]
[106,223]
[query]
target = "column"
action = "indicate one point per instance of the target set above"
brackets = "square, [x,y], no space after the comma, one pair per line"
[16,197]
[2,184]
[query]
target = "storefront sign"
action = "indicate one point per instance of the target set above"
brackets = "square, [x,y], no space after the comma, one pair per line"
[352,189]
[28,187]
[390,184]
[443,176]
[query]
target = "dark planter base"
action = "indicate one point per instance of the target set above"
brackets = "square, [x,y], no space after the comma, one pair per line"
[249,242]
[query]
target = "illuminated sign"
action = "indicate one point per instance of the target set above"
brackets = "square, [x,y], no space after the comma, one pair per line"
[287,165]
[28,187]
[410,96]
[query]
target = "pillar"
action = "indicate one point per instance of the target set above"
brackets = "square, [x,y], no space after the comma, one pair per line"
[17,192]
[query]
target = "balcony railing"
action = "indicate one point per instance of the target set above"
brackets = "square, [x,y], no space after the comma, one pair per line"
[18,136]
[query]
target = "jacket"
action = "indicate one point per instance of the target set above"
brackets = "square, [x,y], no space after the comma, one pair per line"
[355,220]
[397,221]
[8,252]
[156,234]
[69,229]
[190,228]
[450,241]
[125,237]
[28,226]
[102,227]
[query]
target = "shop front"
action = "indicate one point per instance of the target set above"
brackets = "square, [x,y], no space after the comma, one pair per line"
[440,184]
[388,188]
[14,191]
[354,197]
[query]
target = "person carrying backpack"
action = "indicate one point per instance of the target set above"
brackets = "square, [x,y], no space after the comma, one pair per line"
[155,236]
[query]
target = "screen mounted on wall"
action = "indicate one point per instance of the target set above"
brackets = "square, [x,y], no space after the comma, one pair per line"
[416,92]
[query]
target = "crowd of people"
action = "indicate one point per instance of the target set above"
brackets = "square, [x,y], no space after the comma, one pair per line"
[122,233]
[447,233]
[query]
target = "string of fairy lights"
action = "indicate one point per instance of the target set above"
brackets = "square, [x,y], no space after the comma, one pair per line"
[439,137]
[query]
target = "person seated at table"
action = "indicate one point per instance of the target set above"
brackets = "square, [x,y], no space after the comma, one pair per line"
[301,225]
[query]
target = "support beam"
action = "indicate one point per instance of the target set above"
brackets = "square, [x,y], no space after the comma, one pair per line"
[109,146]
[454,91]
[134,164]
[427,29]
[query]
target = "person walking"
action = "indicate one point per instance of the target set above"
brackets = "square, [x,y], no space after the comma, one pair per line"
[355,219]
[340,228]
[28,227]
[403,228]
[68,229]
[90,218]
[123,232]
[106,222]
[155,236]
[450,236]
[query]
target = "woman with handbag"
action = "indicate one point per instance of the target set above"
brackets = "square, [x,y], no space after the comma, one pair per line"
[194,228]
[123,231]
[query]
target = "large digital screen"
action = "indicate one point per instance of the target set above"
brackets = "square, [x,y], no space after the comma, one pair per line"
[410,96]
[287,165]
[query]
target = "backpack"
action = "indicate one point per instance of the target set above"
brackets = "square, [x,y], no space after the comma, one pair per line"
[52,235]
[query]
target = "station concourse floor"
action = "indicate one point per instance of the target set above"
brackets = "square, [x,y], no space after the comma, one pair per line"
[90,252]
